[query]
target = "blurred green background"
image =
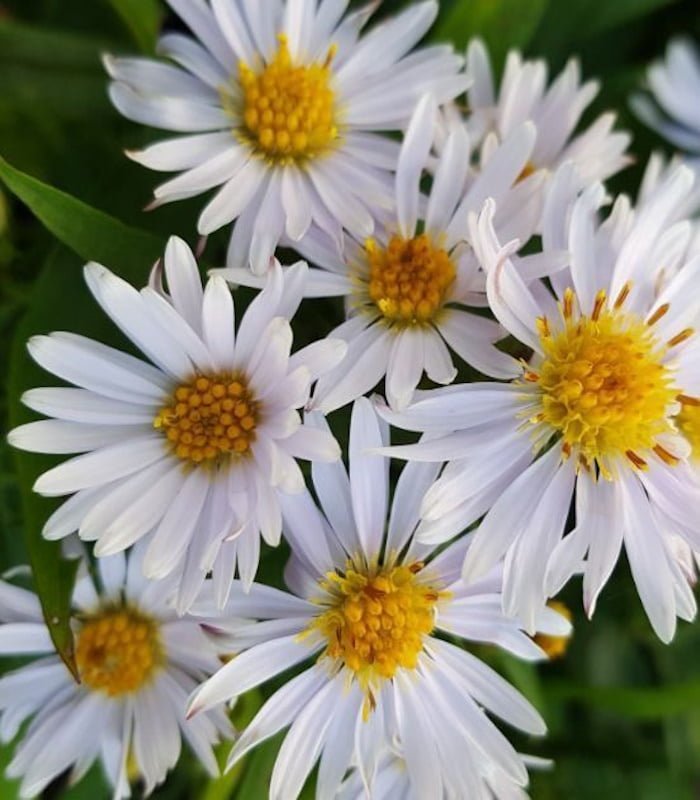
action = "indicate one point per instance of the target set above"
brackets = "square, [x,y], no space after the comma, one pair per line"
[623,710]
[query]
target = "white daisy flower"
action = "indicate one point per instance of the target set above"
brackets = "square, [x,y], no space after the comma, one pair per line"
[592,414]
[137,663]
[285,104]
[192,450]
[393,781]
[598,151]
[657,170]
[372,610]
[407,288]
[673,110]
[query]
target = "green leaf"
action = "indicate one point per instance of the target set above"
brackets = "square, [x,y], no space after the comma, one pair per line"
[142,18]
[583,19]
[653,703]
[92,234]
[566,26]
[60,298]
[51,74]
[53,576]
[502,24]
[258,770]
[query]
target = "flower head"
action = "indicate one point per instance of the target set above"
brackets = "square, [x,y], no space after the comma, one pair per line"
[598,151]
[285,104]
[408,287]
[592,414]
[372,611]
[672,109]
[191,450]
[137,662]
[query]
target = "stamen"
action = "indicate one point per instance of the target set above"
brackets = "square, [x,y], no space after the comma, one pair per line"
[568,303]
[683,336]
[600,299]
[664,455]
[638,461]
[661,311]
[542,324]
[623,295]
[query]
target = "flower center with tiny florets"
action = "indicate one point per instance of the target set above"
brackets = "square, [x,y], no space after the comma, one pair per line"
[377,619]
[118,650]
[210,418]
[289,110]
[409,279]
[604,388]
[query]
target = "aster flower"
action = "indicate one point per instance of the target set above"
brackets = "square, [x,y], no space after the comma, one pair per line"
[658,169]
[598,151]
[592,414]
[673,107]
[370,609]
[284,104]
[192,450]
[137,663]
[407,288]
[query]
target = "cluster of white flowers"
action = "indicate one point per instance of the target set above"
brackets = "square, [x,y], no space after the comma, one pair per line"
[582,436]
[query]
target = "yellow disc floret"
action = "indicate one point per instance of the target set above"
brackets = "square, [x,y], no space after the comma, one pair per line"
[604,387]
[118,650]
[410,279]
[377,620]
[210,418]
[689,425]
[555,646]
[289,110]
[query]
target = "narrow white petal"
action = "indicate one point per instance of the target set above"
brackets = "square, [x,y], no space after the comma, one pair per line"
[369,475]
[247,670]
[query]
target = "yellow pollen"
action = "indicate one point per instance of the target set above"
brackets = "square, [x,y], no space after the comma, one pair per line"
[528,169]
[210,418]
[689,425]
[410,279]
[118,650]
[377,620]
[604,388]
[289,110]
[555,646]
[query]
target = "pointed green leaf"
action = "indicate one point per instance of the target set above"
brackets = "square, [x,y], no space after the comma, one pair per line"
[502,24]
[92,234]
[142,18]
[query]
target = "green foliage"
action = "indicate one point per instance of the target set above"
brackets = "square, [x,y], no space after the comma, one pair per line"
[502,25]
[142,18]
[92,234]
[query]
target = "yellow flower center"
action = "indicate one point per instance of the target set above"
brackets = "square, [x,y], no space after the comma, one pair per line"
[377,620]
[689,425]
[118,651]
[555,646]
[604,387]
[210,419]
[410,279]
[289,110]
